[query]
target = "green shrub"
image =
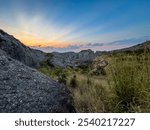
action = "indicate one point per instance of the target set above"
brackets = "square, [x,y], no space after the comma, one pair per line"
[62,78]
[73,82]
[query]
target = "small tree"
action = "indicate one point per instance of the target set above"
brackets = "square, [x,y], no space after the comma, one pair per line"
[73,82]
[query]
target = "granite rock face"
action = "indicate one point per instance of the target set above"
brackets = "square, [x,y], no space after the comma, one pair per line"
[15,49]
[72,59]
[23,89]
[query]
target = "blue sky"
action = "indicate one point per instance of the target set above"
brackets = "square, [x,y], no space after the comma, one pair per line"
[68,23]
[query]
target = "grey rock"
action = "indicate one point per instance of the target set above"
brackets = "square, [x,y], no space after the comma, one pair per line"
[15,49]
[23,89]
[72,59]
[99,65]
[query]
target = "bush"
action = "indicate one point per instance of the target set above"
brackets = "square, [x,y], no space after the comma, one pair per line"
[73,82]
[62,78]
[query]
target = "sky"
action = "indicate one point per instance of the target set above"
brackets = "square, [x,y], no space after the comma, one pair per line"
[73,25]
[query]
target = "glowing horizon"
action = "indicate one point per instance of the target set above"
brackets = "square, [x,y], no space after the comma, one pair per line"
[74,23]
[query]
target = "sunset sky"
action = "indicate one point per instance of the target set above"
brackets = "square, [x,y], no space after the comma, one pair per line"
[65,25]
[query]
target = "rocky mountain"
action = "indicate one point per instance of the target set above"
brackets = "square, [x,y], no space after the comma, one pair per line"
[15,49]
[84,57]
[31,57]
[24,89]
[73,59]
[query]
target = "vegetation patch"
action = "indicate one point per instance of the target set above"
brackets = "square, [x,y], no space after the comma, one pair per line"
[125,86]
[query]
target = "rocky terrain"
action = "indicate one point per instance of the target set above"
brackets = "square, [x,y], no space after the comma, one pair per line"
[31,57]
[99,65]
[85,57]
[24,89]
[73,59]
[15,49]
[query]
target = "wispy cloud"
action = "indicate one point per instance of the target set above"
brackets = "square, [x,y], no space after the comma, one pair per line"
[74,25]
[130,41]
[35,30]
[97,46]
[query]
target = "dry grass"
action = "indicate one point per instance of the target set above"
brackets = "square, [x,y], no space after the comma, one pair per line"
[125,88]
[129,77]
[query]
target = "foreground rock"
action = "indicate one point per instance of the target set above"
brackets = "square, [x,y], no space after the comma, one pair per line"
[23,89]
[15,49]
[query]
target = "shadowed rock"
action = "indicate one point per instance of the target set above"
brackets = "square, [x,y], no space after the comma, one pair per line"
[15,49]
[23,89]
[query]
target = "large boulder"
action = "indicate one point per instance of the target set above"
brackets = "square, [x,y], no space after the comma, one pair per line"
[99,65]
[23,89]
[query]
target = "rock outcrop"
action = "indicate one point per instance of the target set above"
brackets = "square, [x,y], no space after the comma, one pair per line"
[72,59]
[99,65]
[15,49]
[24,89]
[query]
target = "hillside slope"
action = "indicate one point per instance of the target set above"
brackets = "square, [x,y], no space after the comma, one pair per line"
[136,48]
[15,49]
[24,89]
